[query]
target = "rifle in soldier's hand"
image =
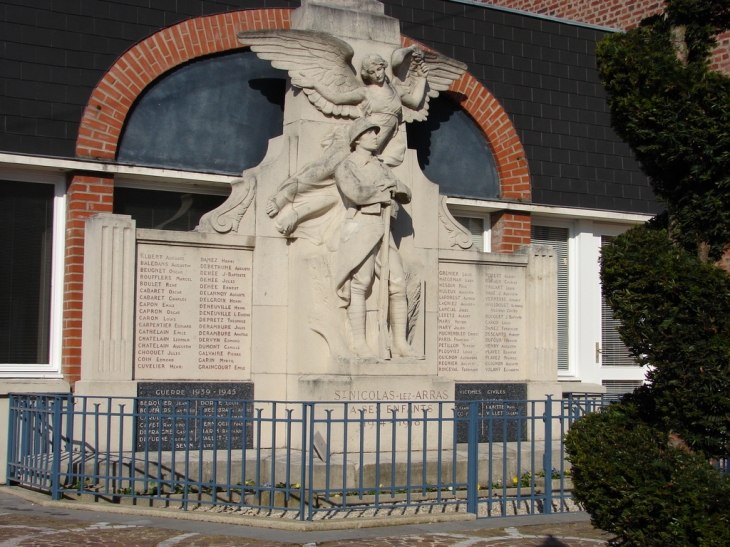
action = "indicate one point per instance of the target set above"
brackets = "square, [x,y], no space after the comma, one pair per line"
[383,295]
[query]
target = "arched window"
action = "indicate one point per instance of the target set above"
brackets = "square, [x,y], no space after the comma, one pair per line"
[214,114]
[453,152]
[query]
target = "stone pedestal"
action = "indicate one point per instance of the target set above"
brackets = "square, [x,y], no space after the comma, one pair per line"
[358,19]
[193,306]
[163,305]
[395,405]
[482,317]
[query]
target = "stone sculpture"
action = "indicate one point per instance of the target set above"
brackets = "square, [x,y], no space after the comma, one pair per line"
[368,189]
[311,191]
[321,65]
[342,201]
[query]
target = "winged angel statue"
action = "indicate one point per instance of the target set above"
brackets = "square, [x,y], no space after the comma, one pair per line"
[321,65]
[342,201]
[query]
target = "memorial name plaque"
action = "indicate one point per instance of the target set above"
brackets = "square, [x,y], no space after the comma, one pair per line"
[203,415]
[193,313]
[481,321]
[505,403]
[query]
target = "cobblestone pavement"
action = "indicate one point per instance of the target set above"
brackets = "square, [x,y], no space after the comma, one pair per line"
[24,524]
[580,534]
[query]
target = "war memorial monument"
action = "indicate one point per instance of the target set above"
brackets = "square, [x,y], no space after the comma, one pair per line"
[334,271]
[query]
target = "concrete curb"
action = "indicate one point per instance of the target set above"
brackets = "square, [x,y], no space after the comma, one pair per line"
[241,520]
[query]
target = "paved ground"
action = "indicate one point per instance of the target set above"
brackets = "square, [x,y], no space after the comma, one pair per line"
[24,524]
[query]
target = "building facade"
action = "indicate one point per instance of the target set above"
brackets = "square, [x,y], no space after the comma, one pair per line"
[138,108]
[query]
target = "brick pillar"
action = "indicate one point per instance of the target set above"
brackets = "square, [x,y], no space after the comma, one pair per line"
[509,231]
[86,195]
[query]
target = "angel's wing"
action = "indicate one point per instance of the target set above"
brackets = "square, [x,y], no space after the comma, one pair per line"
[442,72]
[316,56]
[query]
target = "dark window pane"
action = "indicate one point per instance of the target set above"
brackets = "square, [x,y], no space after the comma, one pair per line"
[164,210]
[26,222]
[453,152]
[215,114]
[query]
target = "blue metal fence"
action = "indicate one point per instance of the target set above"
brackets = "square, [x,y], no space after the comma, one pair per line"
[303,460]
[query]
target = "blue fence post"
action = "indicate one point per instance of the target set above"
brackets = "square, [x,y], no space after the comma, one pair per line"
[12,437]
[56,456]
[547,458]
[472,469]
[24,434]
[307,470]
[70,435]
[41,434]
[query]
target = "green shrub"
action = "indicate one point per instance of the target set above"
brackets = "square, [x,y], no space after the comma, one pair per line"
[675,316]
[644,491]
[672,110]
[672,303]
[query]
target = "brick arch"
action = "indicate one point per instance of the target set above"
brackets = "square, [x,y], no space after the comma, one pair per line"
[497,128]
[485,110]
[104,116]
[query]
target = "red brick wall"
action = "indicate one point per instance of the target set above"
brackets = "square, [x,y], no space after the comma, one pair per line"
[619,14]
[509,231]
[86,195]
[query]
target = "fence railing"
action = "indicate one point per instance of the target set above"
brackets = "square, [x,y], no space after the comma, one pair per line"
[303,460]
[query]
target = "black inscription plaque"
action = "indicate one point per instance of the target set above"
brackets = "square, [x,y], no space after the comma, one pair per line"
[508,406]
[193,415]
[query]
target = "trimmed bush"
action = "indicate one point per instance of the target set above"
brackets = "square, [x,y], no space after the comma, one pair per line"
[672,303]
[672,110]
[638,487]
[675,316]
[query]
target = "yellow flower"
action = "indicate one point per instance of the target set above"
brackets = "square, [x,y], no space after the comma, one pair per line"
[514,480]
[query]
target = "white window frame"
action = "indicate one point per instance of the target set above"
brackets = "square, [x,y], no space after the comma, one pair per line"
[47,170]
[585,228]
[58,251]
[210,187]
[613,372]
[637,383]
[584,299]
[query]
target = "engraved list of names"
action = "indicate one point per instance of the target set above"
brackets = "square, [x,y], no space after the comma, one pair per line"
[481,321]
[193,313]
